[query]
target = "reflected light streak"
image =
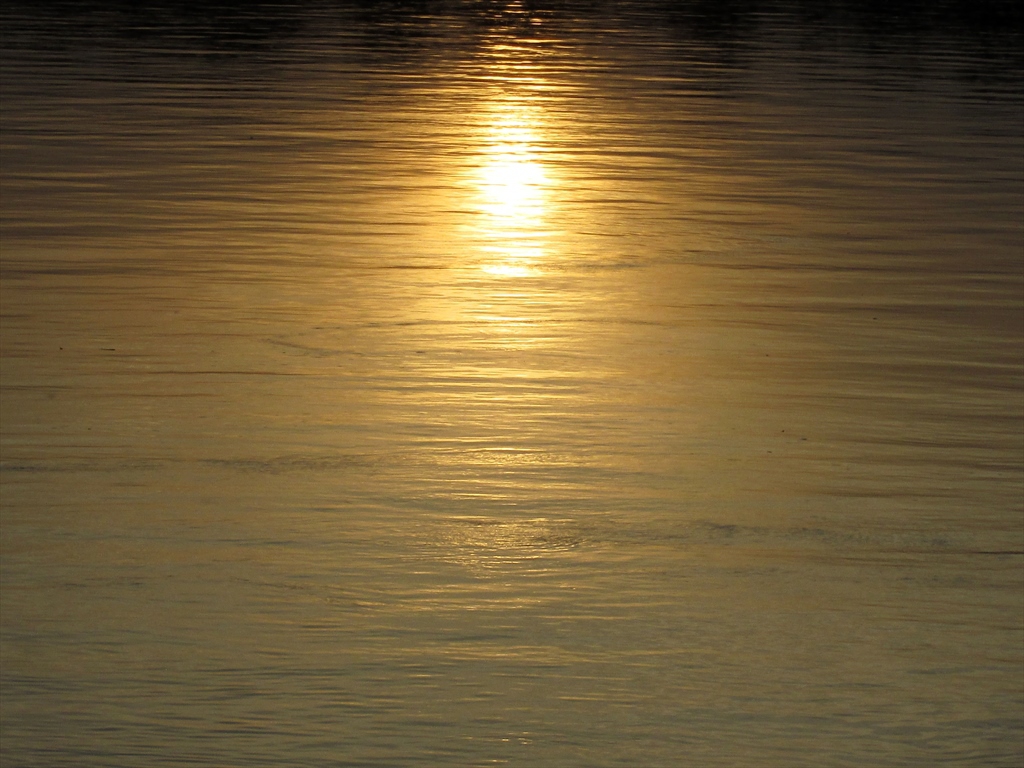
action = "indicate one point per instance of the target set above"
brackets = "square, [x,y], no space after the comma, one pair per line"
[512,190]
[483,544]
[509,270]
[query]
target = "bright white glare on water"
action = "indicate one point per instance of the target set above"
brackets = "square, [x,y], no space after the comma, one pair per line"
[513,186]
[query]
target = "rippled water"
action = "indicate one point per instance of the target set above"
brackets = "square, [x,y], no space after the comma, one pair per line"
[542,384]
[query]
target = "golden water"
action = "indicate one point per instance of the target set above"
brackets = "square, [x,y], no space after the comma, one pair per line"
[502,385]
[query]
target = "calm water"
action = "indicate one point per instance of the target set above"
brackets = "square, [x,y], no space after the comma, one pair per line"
[542,384]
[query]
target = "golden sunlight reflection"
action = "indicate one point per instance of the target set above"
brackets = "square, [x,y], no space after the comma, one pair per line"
[483,544]
[512,188]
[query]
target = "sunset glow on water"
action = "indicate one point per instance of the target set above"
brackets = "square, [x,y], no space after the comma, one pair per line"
[532,384]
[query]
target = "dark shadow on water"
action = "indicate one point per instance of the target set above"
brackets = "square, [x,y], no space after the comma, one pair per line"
[228,26]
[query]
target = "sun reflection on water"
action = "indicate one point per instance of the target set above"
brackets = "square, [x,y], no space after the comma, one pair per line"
[512,185]
[484,544]
[496,393]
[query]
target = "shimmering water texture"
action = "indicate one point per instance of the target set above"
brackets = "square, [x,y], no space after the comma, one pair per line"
[547,385]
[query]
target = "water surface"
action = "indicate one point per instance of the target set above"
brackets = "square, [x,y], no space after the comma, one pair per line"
[529,384]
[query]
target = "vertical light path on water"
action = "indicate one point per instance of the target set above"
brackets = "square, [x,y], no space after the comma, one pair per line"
[506,384]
